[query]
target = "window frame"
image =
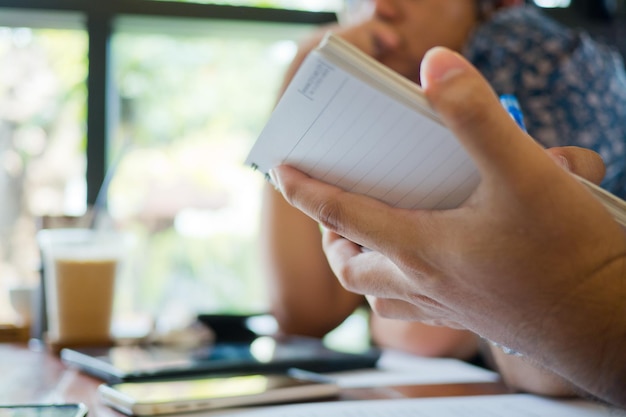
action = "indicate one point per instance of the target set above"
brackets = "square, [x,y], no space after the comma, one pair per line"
[98,19]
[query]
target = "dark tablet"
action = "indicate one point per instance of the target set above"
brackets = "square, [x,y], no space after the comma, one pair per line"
[262,355]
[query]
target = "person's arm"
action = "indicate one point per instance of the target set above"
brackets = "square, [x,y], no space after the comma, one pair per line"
[304,48]
[422,339]
[305,296]
[531,260]
[374,37]
[307,299]
[522,374]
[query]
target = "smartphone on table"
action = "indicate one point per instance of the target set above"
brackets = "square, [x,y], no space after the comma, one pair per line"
[182,395]
[44,410]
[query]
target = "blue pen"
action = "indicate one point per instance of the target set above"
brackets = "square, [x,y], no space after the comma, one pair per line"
[510,103]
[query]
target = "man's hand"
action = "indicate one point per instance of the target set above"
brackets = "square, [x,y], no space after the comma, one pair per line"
[530,260]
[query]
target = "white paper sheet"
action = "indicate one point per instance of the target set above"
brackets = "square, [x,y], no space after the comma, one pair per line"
[514,405]
[344,131]
[396,368]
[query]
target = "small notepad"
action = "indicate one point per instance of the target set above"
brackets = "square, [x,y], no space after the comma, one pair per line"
[345,126]
[350,121]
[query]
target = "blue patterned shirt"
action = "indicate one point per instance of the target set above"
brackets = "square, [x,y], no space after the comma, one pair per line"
[571,89]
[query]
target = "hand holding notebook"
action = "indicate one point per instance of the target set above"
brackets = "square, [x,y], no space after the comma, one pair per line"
[350,121]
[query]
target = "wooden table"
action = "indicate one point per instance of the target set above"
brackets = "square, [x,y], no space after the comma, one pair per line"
[29,376]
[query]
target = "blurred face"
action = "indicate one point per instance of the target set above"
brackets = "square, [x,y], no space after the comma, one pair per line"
[421,25]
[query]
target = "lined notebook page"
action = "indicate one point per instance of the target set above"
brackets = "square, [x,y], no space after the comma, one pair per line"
[336,128]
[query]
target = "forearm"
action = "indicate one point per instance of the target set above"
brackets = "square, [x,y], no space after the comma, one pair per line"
[521,374]
[603,340]
[422,339]
[586,321]
[530,260]
[305,296]
[304,48]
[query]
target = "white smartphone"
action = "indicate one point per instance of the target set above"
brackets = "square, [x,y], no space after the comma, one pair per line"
[182,395]
[44,410]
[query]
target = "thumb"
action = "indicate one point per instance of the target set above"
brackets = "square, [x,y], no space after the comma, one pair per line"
[470,109]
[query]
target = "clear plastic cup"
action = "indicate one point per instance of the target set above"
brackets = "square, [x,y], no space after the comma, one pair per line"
[80,268]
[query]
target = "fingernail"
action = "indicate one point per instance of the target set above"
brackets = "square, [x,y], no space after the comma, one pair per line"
[441,64]
[564,162]
[274,179]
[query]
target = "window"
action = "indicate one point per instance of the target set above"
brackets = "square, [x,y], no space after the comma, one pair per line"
[189,109]
[311,5]
[42,140]
[552,3]
[149,107]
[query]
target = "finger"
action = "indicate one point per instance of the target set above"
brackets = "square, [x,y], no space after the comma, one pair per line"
[373,274]
[362,272]
[469,107]
[331,240]
[363,220]
[584,162]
